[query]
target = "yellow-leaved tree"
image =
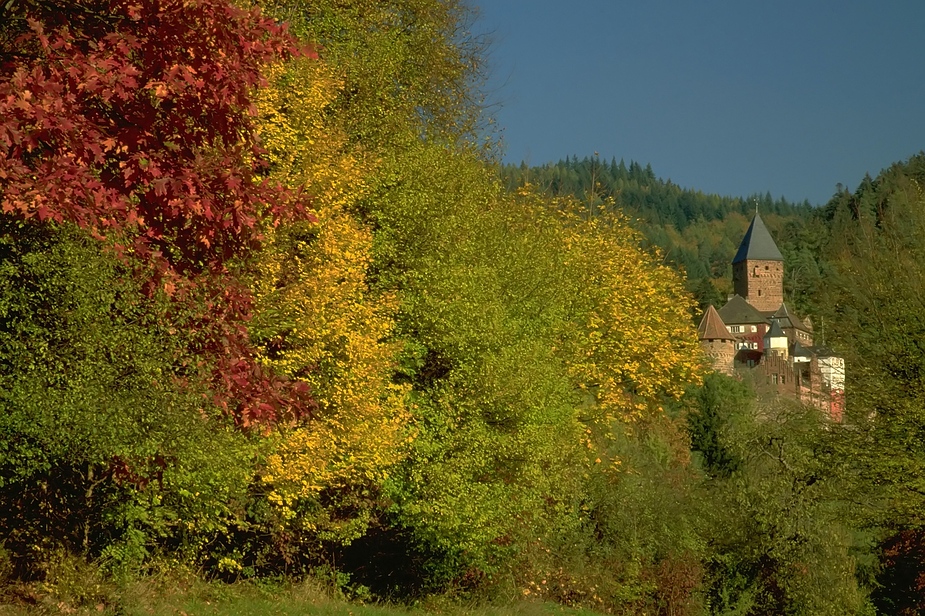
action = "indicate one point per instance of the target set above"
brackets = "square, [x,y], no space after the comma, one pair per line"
[634,345]
[319,322]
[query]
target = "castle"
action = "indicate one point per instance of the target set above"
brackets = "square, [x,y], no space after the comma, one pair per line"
[755,333]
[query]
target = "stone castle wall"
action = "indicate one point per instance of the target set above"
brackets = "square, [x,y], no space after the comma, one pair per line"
[803,382]
[721,354]
[761,283]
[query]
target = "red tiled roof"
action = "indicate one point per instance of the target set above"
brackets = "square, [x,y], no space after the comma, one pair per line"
[712,327]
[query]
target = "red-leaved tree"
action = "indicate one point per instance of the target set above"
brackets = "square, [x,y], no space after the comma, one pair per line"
[133,119]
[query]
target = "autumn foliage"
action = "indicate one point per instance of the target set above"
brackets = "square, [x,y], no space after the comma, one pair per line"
[134,120]
[135,117]
[310,320]
[319,322]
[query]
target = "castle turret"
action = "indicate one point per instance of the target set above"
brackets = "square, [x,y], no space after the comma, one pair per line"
[775,341]
[758,268]
[716,341]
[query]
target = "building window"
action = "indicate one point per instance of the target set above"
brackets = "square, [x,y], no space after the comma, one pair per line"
[774,379]
[783,380]
[754,329]
[735,329]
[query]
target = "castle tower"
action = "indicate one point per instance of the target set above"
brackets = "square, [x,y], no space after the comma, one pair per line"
[758,268]
[716,341]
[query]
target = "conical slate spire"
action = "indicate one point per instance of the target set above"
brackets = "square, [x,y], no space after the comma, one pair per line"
[775,331]
[758,244]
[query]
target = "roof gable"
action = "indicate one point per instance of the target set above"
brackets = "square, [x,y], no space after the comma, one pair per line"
[788,320]
[712,327]
[758,244]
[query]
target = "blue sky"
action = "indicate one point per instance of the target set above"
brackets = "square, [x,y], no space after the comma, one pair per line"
[734,97]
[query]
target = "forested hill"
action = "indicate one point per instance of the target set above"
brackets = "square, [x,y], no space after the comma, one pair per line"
[874,195]
[697,231]
[641,193]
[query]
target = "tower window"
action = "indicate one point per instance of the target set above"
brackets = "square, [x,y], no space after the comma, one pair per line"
[759,292]
[767,267]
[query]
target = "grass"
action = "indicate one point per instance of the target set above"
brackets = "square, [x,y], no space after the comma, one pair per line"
[176,595]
